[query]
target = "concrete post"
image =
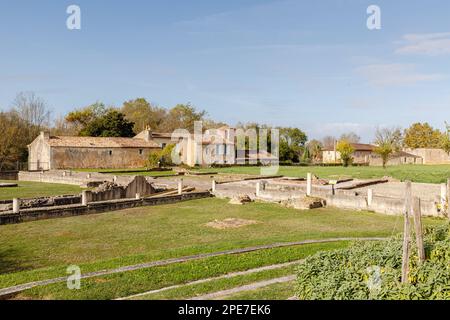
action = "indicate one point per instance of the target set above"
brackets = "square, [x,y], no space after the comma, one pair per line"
[443,198]
[309,184]
[213,186]
[64,173]
[138,196]
[84,199]
[258,188]
[88,176]
[115,179]
[180,186]
[369,197]
[16,205]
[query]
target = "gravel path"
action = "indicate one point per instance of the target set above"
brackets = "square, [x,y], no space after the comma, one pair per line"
[25,286]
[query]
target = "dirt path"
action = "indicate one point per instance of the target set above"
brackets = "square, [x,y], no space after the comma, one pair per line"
[248,287]
[25,286]
[226,276]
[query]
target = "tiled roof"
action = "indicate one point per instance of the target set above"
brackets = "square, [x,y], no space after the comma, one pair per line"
[357,147]
[100,142]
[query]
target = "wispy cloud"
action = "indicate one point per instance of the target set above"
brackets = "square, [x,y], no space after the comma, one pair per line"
[396,74]
[432,44]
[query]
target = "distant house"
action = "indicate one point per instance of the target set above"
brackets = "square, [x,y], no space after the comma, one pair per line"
[360,156]
[64,152]
[397,158]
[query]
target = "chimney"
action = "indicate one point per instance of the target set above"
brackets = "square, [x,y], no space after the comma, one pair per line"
[148,133]
[45,135]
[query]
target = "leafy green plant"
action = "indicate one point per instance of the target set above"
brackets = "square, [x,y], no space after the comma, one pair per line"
[347,273]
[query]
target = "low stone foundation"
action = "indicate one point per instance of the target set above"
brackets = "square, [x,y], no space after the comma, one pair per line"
[9,175]
[95,207]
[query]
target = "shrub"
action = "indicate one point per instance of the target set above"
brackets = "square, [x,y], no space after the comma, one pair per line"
[160,158]
[351,273]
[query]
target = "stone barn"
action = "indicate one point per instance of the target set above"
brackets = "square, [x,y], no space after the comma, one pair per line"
[64,152]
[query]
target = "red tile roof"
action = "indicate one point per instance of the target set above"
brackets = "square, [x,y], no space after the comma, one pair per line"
[100,142]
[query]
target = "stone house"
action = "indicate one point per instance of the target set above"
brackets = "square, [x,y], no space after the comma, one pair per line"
[65,152]
[431,156]
[397,158]
[360,156]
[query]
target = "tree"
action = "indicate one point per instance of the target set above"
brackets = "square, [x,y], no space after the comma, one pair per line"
[112,124]
[11,138]
[350,137]
[346,150]
[445,143]
[81,118]
[422,135]
[315,150]
[388,141]
[182,116]
[292,143]
[329,142]
[160,158]
[143,114]
[35,114]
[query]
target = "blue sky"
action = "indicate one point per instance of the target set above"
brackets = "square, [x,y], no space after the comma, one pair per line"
[310,64]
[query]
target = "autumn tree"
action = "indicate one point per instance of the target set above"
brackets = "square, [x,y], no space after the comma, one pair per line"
[422,135]
[387,141]
[346,150]
[445,143]
[143,114]
[79,119]
[182,116]
[315,150]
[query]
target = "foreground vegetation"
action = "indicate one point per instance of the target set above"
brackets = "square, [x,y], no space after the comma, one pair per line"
[352,273]
[415,173]
[27,189]
[43,249]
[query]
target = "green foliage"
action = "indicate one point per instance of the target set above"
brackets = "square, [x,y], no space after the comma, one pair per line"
[112,124]
[351,273]
[161,158]
[292,144]
[346,150]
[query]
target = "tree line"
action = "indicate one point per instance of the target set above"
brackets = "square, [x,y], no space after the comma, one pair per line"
[29,114]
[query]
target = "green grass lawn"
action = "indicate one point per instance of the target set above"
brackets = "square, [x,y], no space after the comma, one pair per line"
[278,291]
[415,173]
[28,189]
[43,249]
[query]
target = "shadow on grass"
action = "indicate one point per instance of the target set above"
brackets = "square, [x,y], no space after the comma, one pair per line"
[10,261]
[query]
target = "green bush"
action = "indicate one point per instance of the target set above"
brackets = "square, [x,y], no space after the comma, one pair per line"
[161,158]
[372,270]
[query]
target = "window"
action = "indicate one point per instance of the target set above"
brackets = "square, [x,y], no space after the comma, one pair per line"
[141,151]
[163,145]
[110,152]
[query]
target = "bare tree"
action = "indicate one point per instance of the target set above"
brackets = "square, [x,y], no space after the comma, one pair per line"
[33,111]
[329,142]
[388,141]
[350,137]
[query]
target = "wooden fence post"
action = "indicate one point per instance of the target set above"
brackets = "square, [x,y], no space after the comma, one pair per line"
[406,227]
[418,228]
[448,198]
